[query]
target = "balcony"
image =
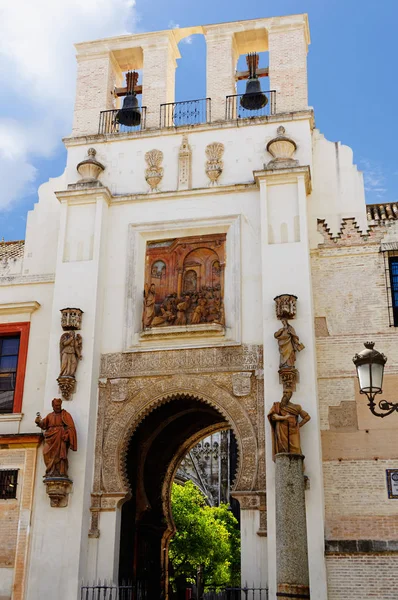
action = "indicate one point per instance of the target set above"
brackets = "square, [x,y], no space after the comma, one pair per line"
[190,112]
[108,122]
[235,110]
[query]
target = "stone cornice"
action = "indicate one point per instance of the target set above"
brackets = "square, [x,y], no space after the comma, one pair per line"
[99,138]
[285,175]
[13,308]
[84,195]
[20,440]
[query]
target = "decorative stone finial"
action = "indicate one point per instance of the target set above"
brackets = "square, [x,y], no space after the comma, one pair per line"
[90,169]
[282,148]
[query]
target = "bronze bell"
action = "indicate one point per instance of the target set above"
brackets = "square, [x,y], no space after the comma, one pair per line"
[253,98]
[130,114]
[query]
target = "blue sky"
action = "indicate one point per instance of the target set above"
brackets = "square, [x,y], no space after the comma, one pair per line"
[351,65]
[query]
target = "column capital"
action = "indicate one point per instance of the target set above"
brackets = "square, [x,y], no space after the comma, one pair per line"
[285,175]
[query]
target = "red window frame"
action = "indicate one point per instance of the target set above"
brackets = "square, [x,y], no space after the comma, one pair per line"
[23,330]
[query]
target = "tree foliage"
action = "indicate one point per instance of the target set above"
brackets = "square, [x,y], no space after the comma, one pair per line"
[207,539]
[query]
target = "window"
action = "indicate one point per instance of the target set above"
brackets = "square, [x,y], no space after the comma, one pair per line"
[9,350]
[8,483]
[393,260]
[13,353]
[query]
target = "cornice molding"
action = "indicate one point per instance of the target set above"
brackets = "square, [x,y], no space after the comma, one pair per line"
[14,308]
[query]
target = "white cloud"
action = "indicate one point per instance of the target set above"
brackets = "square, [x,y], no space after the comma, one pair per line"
[37,77]
[374,178]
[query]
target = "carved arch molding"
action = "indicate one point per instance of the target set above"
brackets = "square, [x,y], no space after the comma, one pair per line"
[125,400]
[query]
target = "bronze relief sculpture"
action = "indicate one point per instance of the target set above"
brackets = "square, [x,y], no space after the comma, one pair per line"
[184,282]
[70,350]
[59,437]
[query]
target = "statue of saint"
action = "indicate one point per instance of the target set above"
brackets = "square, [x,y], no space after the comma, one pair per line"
[59,435]
[284,418]
[289,344]
[70,348]
[149,305]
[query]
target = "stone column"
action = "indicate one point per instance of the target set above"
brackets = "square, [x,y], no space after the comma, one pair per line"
[158,76]
[97,75]
[288,65]
[222,56]
[291,528]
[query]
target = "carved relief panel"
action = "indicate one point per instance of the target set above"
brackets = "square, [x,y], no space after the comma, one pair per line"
[184,281]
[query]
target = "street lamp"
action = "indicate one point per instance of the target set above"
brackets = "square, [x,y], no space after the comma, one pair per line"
[370,369]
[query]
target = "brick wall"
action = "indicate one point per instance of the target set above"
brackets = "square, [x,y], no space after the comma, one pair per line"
[288,68]
[158,81]
[15,515]
[220,71]
[96,77]
[362,577]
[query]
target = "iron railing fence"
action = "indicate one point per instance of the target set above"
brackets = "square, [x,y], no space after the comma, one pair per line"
[108,122]
[111,591]
[234,109]
[234,593]
[128,591]
[189,112]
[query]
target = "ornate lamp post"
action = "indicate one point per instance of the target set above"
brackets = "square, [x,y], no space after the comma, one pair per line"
[370,369]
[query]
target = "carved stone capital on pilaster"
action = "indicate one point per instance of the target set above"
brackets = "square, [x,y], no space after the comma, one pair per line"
[288,377]
[250,500]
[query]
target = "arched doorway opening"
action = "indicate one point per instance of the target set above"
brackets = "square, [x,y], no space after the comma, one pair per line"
[153,455]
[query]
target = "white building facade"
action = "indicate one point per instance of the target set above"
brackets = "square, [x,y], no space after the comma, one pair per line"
[284,213]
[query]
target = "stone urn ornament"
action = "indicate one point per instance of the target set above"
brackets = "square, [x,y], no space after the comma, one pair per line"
[282,149]
[154,172]
[90,168]
[214,164]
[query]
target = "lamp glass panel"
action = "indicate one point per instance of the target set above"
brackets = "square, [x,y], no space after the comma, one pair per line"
[364,377]
[377,376]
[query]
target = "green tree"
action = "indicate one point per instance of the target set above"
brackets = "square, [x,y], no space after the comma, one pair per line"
[206,546]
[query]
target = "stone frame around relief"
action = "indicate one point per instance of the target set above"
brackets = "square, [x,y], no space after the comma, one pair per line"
[138,236]
[392,488]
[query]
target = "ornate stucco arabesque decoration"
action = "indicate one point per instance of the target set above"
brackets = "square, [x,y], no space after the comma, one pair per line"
[154,172]
[70,350]
[132,385]
[282,149]
[214,164]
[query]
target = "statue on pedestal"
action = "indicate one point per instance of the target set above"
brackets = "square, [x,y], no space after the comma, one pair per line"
[289,344]
[284,418]
[59,435]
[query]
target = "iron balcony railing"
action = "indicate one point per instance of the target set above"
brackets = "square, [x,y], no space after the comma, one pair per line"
[189,112]
[128,591]
[108,122]
[234,109]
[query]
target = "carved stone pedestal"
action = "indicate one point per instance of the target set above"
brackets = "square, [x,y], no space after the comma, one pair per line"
[288,377]
[67,385]
[291,528]
[58,488]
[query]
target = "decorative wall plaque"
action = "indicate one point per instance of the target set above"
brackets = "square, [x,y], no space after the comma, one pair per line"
[184,282]
[392,483]
[70,350]
[214,164]
[154,172]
